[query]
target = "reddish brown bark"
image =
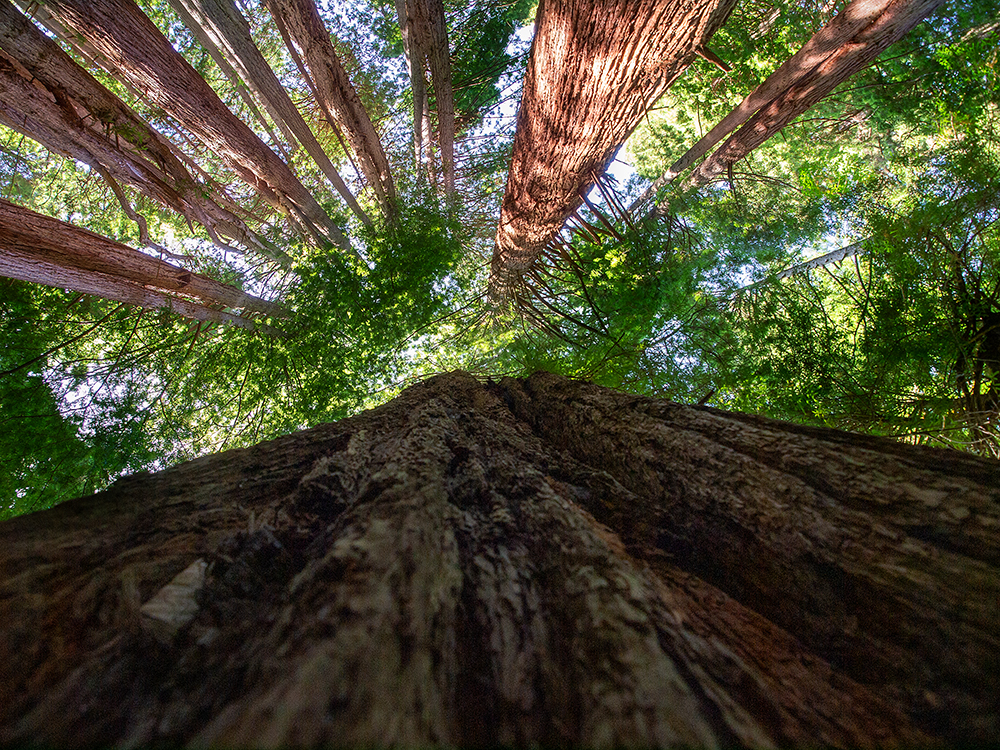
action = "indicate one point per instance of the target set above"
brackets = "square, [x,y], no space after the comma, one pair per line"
[334,92]
[135,50]
[53,243]
[855,54]
[48,97]
[831,37]
[227,27]
[530,562]
[595,69]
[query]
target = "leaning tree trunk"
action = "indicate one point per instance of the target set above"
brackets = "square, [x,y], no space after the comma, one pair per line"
[48,97]
[38,248]
[229,30]
[538,561]
[808,88]
[594,71]
[300,22]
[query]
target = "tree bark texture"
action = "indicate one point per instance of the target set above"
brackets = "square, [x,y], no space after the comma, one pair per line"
[135,51]
[227,27]
[838,32]
[334,92]
[534,561]
[855,54]
[48,97]
[26,234]
[595,69]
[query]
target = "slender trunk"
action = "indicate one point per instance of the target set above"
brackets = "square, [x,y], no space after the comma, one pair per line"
[222,20]
[93,126]
[63,245]
[418,85]
[429,35]
[855,55]
[595,69]
[234,78]
[838,32]
[301,22]
[134,50]
[535,562]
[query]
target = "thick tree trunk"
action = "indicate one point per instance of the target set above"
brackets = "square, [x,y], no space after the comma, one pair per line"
[48,97]
[54,243]
[134,50]
[539,561]
[595,69]
[335,93]
[809,87]
[227,27]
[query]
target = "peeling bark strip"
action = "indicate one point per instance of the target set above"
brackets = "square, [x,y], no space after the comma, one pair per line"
[595,69]
[47,240]
[227,27]
[854,55]
[539,561]
[334,91]
[135,51]
[839,31]
[48,97]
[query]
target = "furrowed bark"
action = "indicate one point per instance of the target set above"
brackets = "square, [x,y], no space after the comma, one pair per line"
[595,69]
[334,92]
[839,31]
[64,245]
[534,562]
[227,27]
[25,267]
[49,98]
[891,26]
[133,49]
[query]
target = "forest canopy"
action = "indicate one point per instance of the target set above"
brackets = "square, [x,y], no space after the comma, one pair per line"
[221,222]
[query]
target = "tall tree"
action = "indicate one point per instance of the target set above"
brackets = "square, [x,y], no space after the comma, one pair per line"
[424,32]
[537,561]
[38,248]
[594,71]
[301,23]
[223,22]
[47,96]
[135,50]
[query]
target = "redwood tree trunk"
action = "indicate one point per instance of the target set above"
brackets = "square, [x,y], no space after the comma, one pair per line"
[300,20]
[595,69]
[531,561]
[809,87]
[50,243]
[135,51]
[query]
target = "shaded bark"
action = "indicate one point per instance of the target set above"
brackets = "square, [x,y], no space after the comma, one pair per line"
[55,244]
[595,69]
[539,561]
[48,97]
[134,50]
[301,23]
[855,54]
[227,27]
